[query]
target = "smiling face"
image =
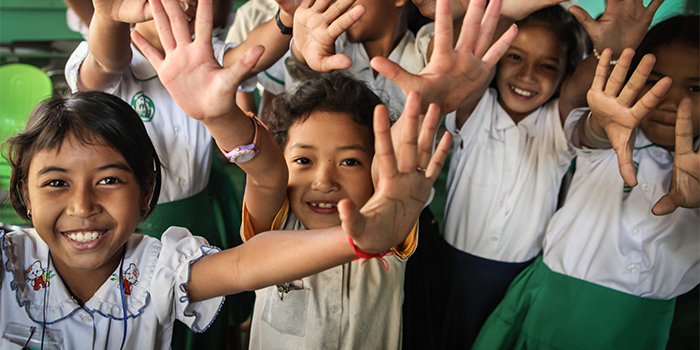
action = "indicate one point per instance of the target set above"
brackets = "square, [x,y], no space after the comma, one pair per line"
[530,72]
[682,63]
[329,157]
[85,203]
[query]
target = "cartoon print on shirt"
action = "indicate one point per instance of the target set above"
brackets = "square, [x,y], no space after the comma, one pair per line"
[130,278]
[37,276]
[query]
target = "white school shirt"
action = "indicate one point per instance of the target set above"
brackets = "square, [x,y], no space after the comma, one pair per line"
[153,274]
[352,306]
[411,53]
[606,233]
[183,144]
[503,180]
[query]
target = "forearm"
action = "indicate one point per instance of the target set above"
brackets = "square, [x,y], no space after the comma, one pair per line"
[268,35]
[110,53]
[267,259]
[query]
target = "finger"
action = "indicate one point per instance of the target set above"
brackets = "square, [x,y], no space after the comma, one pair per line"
[472,23]
[204,22]
[619,73]
[162,22]
[345,21]
[233,74]
[427,134]
[601,71]
[626,165]
[320,5]
[147,49]
[684,128]
[444,32]
[653,6]
[666,205]
[392,71]
[406,153]
[384,150]
[639,77]
[499,48]
[178,21]
[350,218]
[582,16]
[439,157]
[488,27]
[651,98]
[335,62]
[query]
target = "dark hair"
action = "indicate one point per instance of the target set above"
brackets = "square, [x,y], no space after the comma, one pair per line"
[565,27]
[334,92]
[93,118]
[684,29]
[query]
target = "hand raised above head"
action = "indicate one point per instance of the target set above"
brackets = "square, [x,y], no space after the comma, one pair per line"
[454,71]
[615,108]
[129,11]
[403,182]
[684,190]
[317,25]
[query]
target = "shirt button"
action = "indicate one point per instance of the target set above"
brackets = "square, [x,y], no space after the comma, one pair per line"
[645,187]
[631,268]
[183,182]
[635,230]
[335,309]
[502,204]
[177,129]
[509,169]
[85,318]
[495,239]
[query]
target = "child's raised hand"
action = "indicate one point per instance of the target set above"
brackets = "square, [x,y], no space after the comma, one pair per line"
[189,70]
[128,11]
[454,73]
[404,179]
[623,25]
[685,180]
[614,109]
[317,25]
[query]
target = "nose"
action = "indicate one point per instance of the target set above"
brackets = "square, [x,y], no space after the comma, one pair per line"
[82,203]
[669,102]
[526,73]
[325,178]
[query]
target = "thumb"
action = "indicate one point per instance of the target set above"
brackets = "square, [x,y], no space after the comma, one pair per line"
[582,17]
[245,64]
[350,218]
[391,71]
[666,205]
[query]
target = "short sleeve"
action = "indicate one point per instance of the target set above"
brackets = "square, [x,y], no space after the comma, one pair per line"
[273,79]
[180,249]
[73,65]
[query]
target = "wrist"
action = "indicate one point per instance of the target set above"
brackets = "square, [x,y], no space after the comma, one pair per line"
[594,131]
[284,22]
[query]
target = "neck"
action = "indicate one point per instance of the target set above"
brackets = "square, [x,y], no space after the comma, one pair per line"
[84,283]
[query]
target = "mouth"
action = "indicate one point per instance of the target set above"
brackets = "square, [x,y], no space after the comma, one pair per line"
[83,236]
[323,207]
[522,92]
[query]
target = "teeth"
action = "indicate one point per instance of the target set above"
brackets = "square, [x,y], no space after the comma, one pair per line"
[323,205]
[84,236]
[522,92]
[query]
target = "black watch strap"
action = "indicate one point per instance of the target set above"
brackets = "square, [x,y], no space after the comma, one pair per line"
[283,29]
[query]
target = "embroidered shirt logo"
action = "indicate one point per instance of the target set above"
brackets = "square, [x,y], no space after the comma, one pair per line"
[37,276]
[130,278]
[143,105]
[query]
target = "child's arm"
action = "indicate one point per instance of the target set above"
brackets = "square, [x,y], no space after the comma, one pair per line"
[614,114]
[623,25]
[685,181]
[401,191]
[455,72]
[206,92]
[317,25]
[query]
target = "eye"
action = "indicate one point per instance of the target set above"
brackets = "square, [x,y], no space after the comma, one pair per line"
[109,181]
[695,88]
[302,161]
[56,183]
[350,162]
[514,57]
[550,67]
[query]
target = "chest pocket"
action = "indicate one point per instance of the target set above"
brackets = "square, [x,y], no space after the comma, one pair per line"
[288,314]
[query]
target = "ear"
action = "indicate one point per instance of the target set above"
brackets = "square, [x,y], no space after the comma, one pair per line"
[145,199]
[24,192]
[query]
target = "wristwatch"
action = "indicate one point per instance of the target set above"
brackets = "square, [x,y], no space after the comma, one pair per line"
[242,154]
[283,29]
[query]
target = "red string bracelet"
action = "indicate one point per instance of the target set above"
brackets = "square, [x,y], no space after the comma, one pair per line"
[362,255]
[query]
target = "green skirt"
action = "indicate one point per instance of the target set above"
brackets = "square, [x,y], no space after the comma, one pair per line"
[547,310]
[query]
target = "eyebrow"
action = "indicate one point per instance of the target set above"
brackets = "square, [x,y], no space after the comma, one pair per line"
[49,169]
[341,148]
[555,59]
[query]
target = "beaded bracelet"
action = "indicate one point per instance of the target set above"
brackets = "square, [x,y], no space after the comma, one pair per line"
[362,255]
[597,56]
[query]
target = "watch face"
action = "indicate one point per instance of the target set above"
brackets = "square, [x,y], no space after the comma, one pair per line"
[243,156]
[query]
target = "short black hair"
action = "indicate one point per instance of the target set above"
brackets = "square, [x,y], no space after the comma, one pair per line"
[682,28]
[93,118]
[334,92]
